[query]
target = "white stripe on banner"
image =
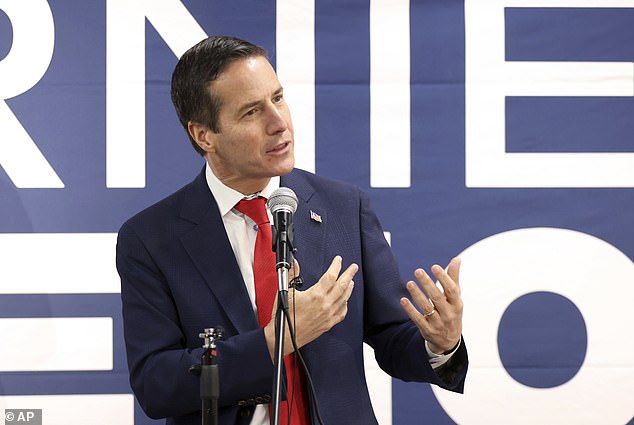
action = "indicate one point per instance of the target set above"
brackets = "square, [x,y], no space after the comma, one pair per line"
[389,93]
[379,382]
[125,78]
[93,409]
[295,63]
[58,343]
[567,3]
[23,66]
[58,263]
[379,386]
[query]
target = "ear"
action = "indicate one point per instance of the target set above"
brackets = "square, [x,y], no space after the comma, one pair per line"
[202,135]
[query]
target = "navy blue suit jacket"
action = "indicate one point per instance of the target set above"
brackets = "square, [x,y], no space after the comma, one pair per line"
[179,276]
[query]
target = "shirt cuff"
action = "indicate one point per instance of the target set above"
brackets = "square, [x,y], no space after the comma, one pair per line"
[437,360]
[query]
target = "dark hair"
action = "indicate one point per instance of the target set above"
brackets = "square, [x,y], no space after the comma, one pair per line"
[199,66]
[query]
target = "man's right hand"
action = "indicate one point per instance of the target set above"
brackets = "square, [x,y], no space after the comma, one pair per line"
[317,309]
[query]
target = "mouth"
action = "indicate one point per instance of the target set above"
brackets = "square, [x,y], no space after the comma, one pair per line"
[279,148]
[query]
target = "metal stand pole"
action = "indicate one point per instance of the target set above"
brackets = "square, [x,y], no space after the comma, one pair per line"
[280,327]
[209,377]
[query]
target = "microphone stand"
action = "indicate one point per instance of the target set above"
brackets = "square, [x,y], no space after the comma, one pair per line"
[209,378]
[282,245]
[282,308]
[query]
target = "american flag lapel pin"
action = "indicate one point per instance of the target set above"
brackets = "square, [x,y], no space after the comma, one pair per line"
[315,217]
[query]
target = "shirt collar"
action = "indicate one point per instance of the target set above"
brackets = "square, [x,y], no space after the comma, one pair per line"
[227,198]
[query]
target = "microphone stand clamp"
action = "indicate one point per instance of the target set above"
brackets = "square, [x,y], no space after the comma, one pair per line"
[209,376]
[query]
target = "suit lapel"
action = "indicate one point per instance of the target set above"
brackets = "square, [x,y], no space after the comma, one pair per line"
[310,238]
[209,248]
[309,233]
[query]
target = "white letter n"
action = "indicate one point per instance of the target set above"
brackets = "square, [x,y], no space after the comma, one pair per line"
[125,78]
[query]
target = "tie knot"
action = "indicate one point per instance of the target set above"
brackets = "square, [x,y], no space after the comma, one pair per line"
[255,209]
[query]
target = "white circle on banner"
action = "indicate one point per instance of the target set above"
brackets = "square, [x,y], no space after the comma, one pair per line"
[597,277]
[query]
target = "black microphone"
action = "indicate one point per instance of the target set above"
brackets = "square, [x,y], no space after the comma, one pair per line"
[283,204]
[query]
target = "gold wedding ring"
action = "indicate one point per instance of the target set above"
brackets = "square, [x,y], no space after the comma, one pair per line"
[432,312]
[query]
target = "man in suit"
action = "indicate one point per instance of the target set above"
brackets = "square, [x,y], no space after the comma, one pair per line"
[187,263]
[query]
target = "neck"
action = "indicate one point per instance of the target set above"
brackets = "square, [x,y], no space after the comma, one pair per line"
[246,186]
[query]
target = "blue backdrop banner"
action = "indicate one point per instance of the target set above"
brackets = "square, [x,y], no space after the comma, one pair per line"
[499,131]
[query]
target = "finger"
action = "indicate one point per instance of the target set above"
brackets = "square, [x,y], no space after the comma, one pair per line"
[330,276]
[340,305]
[347,293]
[434,293]
[453,270]
[451,289]
[415,315]
[347,276]
[293,273]
[419,297]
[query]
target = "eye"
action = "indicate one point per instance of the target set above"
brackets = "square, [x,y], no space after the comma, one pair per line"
[278,98]
[251,112]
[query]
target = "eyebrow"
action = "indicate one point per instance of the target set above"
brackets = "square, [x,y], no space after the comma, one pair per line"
[257,102]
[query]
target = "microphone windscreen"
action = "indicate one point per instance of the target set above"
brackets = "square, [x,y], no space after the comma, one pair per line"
[282,199]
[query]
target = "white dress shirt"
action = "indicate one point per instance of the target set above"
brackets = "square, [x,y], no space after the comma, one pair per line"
[242,232]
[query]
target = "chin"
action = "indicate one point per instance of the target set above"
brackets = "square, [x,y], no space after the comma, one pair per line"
[286,167]
[285,172]
[282,171]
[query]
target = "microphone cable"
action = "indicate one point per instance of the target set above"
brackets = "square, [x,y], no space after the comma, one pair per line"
[298,355]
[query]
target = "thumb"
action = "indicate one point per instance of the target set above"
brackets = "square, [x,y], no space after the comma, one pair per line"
[293,273]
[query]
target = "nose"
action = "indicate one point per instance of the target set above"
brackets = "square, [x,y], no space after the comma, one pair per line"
[276,121]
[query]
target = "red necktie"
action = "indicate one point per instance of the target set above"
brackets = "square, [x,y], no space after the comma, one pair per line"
[265,277]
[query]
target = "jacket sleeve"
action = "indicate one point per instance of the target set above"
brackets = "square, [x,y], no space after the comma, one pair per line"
[398,344]
[160,351]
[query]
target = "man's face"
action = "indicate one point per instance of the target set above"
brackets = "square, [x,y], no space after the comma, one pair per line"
[255,141]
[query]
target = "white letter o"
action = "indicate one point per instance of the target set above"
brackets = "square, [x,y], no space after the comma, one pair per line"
[594,275]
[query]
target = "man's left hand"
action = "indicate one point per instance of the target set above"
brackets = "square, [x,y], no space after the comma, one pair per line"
[440,322]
